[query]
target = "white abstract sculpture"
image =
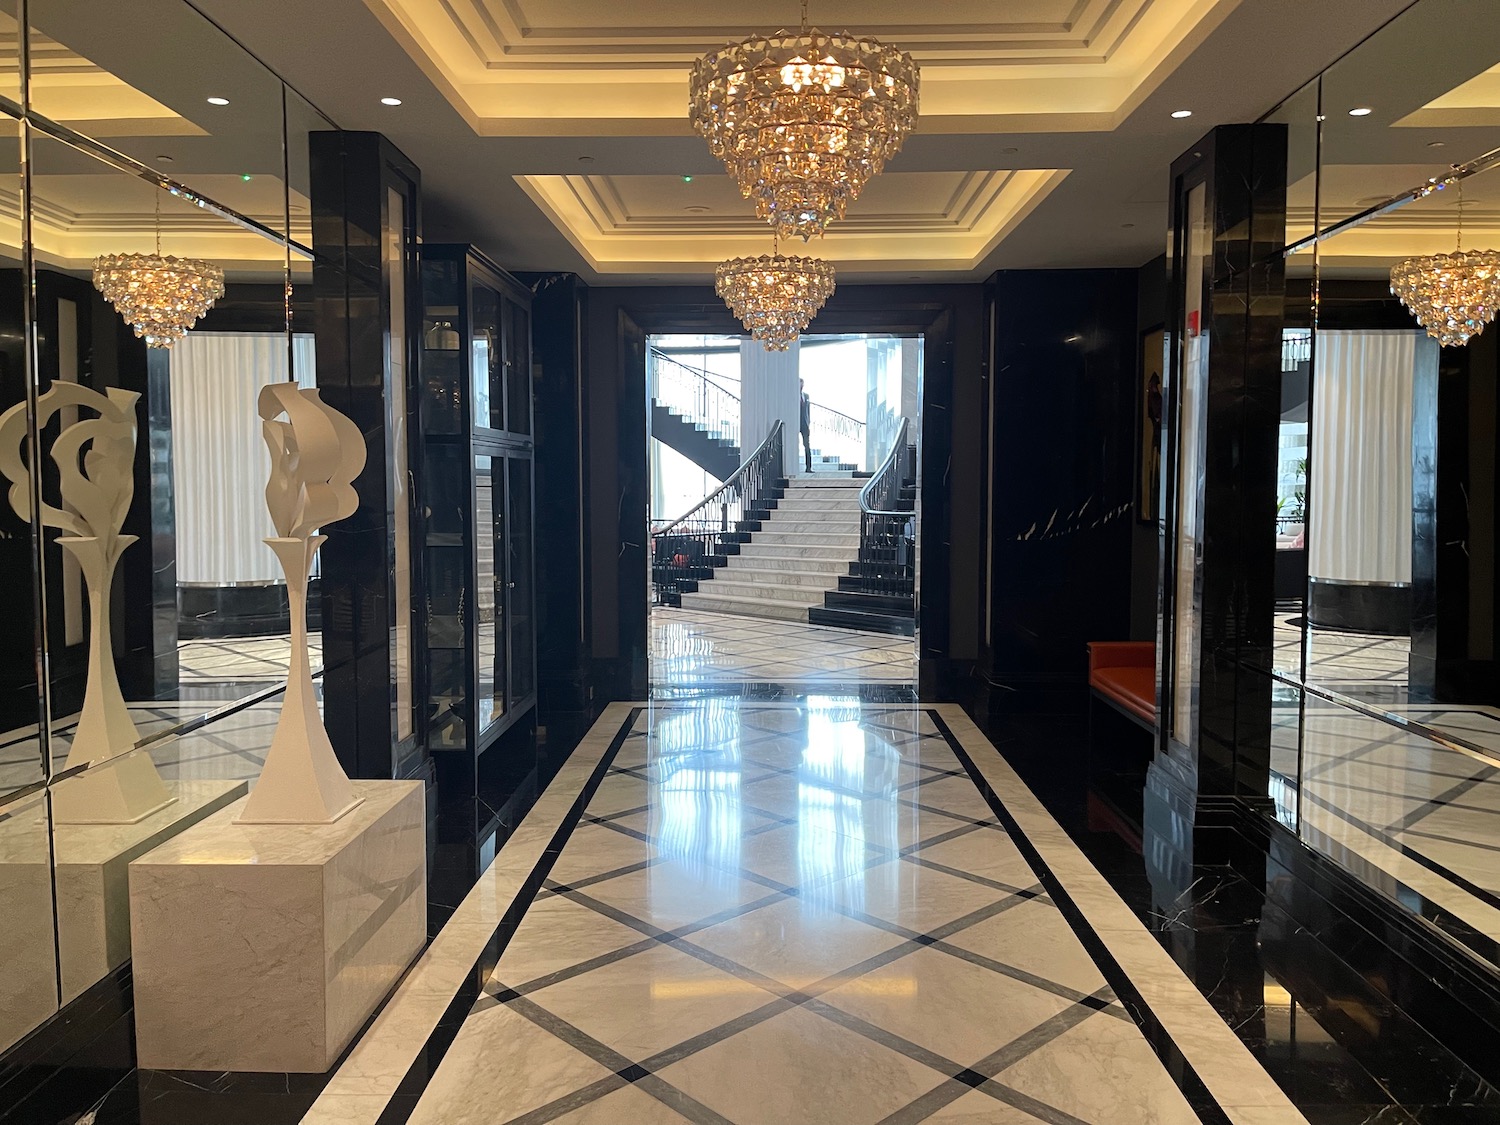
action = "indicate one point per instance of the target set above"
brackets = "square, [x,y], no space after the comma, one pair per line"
[315,456]
[95,458]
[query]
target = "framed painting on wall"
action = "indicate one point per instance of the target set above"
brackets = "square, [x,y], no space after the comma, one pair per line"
[1148,470]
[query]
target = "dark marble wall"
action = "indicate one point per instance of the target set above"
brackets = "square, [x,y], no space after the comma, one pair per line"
[1063,475]
[1145,545]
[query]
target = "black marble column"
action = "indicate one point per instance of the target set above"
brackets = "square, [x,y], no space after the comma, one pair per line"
[354,178]
[558,320]
[1456,526]
[1214,767]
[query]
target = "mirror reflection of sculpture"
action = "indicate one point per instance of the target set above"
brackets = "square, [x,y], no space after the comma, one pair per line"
[315,455]
[94,458]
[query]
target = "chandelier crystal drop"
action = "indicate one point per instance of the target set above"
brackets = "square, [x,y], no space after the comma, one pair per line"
[160,297]
[804,121]
[1455,295]
[775,296]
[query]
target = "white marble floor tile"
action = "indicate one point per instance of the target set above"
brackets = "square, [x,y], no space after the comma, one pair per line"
[1033,937]
[626,1106]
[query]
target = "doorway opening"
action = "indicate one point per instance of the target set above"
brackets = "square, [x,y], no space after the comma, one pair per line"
[784,510]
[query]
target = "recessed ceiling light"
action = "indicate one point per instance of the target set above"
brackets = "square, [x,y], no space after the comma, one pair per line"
[1126,226]
[390,101]
[1361,111]
[1181,113]
[1008,151]
[585,160]
[164,159]
[1436,144]
[218,101]
[697,209]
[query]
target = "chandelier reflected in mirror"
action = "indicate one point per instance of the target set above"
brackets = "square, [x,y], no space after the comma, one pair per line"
[804,121]
[1455,295]
[160,297]
[775,296]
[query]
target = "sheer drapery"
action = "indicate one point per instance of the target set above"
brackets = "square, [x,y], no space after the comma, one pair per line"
[1360,501]
[219,460]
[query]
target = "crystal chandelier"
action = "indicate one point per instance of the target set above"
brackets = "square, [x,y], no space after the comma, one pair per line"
[804,121]
[160,297]
[1455,295]
[774,296]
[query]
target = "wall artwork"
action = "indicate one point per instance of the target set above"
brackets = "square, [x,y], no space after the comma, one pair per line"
[315,455]
[1148,472]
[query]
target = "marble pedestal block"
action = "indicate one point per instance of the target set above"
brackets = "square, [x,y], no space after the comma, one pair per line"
[93,878]
[28,984]
[265,947]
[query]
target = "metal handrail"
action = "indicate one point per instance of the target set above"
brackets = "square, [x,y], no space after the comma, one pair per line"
[887,534]
[698,371]
[882,477]
[688,549]
[692,394]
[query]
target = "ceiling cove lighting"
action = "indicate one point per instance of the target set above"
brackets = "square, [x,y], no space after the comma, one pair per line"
[1455,295]
[775,296]
[804,121]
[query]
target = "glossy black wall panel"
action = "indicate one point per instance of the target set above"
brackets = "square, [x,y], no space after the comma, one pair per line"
[352,174]
[1063,480]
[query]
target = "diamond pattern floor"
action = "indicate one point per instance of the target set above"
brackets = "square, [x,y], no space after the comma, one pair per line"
[795,914]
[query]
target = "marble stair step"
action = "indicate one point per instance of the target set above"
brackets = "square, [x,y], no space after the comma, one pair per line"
[744,607]
[835,562]
[770,576]
[835,524]
[818,504]
[725,586]
[795,540]
[803,552]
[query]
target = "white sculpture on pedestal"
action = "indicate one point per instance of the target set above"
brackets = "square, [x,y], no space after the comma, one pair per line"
[95,460]
[315,456]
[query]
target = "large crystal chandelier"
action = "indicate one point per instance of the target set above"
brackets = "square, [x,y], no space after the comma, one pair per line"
[775,296]
[803,121]
[160,297]
[1455,295]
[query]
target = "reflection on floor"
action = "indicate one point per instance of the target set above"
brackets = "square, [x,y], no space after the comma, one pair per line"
[241,659]
[778,913]
[1358,664]
[703,649]
[1417,819]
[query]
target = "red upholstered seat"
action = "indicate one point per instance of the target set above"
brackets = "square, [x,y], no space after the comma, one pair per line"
[1125,672]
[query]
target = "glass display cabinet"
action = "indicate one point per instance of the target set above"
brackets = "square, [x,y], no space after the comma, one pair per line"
[476,412]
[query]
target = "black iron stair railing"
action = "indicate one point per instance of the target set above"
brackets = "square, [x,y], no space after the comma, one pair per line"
[687,550]
[888,525]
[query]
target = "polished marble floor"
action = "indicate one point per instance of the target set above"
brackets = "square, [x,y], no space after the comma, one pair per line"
[1416,817]
[818,911]
[690,649]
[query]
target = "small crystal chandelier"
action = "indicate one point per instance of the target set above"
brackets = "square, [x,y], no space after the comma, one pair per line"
[1455,295]
[774,296]
[804,121]
[160,297]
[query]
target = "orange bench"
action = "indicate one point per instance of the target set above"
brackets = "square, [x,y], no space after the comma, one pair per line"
[1123,674]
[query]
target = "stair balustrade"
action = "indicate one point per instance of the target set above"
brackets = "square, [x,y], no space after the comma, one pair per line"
[696,396]
[688,549]
[888,528]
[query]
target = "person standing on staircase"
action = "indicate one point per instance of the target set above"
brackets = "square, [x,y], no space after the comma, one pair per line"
[806,425]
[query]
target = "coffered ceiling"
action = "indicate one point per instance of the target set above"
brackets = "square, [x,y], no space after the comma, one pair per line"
[554,134]
[543,67]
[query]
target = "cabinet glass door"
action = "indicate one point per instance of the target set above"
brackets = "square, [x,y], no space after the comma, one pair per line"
[522,594]
[489,584]
[517,368]
[486,362]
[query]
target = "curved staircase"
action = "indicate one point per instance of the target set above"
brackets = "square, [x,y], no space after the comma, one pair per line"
[794,558]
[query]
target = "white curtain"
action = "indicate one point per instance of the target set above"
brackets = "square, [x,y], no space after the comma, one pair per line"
[219,461]
[769,391]
[1359,498]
